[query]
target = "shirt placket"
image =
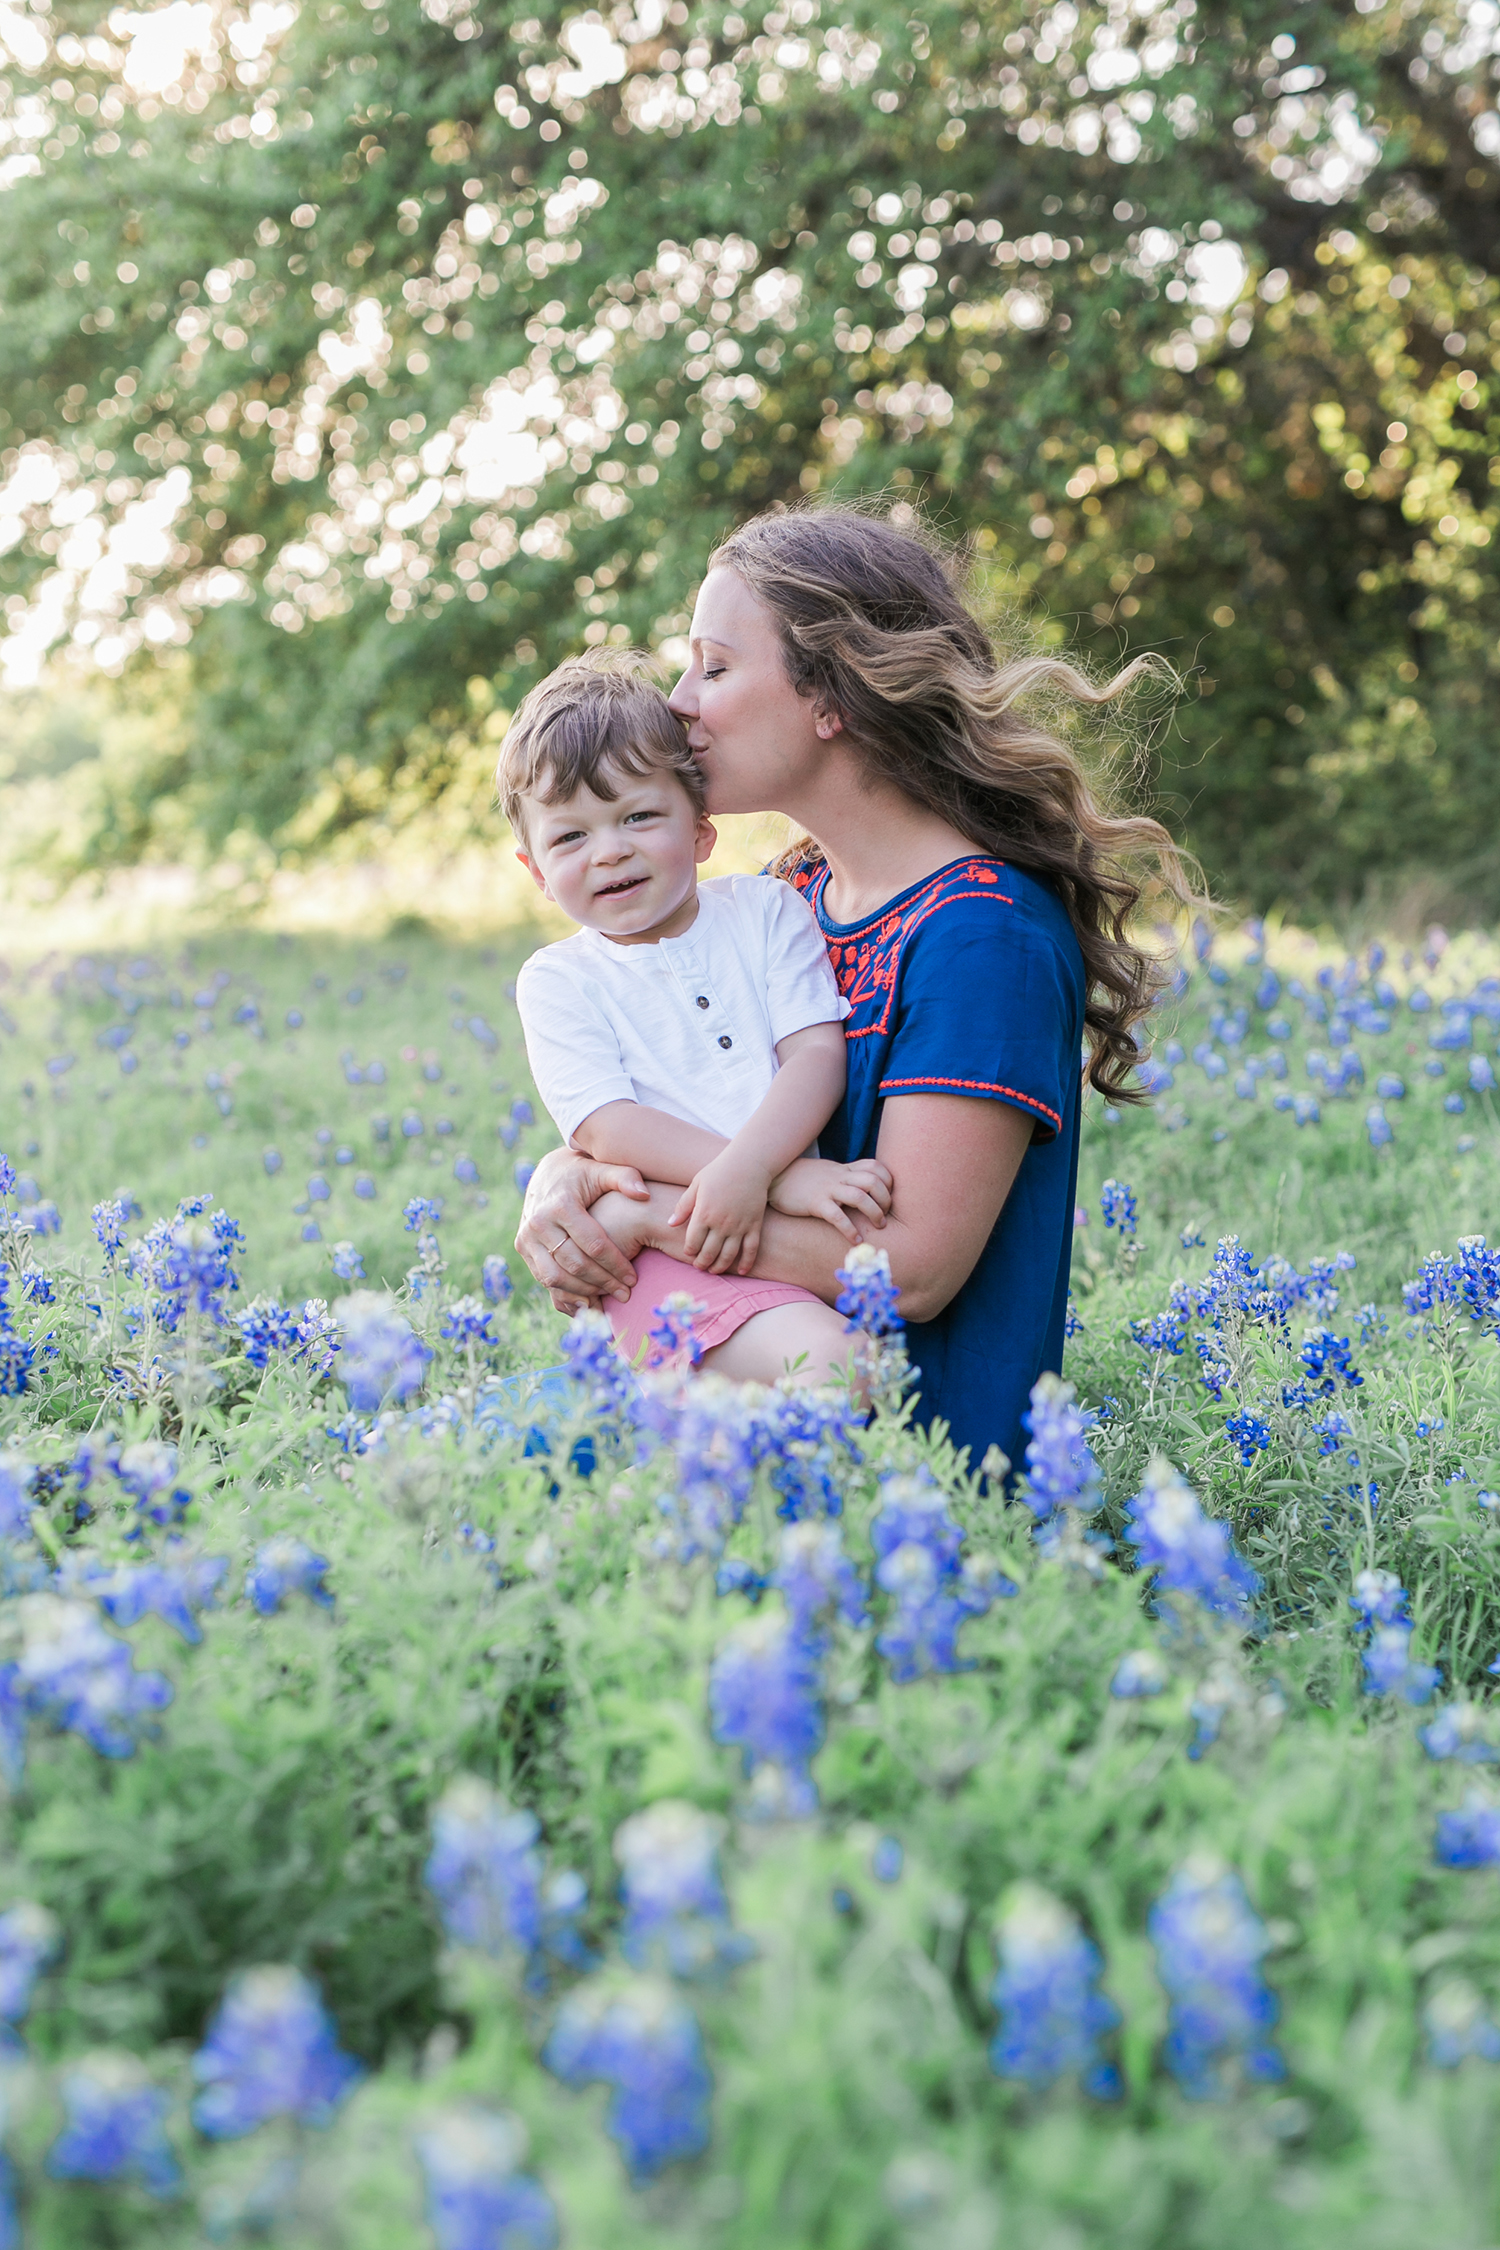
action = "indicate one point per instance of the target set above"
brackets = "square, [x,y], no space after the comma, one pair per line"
[720,1044]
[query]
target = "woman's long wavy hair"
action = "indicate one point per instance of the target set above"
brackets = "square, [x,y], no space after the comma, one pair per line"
[875,628]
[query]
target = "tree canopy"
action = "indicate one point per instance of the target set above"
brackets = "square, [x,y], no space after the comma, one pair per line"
[355,353]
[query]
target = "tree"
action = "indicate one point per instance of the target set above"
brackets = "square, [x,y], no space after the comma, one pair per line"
[362,351]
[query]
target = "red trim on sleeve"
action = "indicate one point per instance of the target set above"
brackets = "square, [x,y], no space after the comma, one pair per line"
[969,1086]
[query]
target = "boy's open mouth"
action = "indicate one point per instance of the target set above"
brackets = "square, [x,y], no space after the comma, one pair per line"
[622,890]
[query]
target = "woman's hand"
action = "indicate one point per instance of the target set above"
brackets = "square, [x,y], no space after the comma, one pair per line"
[562,1243]
[817,1188]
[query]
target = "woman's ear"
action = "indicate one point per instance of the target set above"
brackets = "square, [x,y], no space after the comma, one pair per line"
[706,838]
[534,872]
[827,724]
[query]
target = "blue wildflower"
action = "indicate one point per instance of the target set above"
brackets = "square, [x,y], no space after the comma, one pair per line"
[1061,1472]
[1248,1434]
[29,1939]
[643,2041]
[477,2199]
[495,1279]
[467,1321]
[765,1697]
[421,1212]
[1209,1946]
[318,1338]
[1458,2025]
[1379,1598]
[1378,1126]
[271,2051]
[676,1914]
[285,1566]
[1117,1202]
[1140,1672]
[116,2126]
[383,1360]
[79,1678]
[148,1471]
[919,1563]
[815,1577]
[17,1483]
[175,1589]
[672,1330]
[484,1870]
[16,1361]
[1389,1669]
[868,1296]
[1189,1551]
[1052,2015]
[109,1226]
[1329,1360]
[266,1327]
[348,1264]
[594,1365]
[1457,1734]
[1469,1837]
[887,1860]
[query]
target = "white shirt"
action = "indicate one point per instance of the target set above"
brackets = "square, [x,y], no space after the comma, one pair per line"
[688,1025]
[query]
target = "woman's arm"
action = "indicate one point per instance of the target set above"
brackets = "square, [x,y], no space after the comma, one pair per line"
[954,1160]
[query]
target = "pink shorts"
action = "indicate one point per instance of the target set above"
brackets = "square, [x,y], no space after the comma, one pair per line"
[728,1302]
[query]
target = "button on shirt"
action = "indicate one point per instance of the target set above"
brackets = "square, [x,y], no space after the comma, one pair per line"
[689,1025]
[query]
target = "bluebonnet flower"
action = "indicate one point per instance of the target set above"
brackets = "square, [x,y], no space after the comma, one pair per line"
[1189,1551]
[1117,1202]
[1331,1432]
[318,1338]
[29,1939]
[1248,1434]
[672,1329]
[1378,1126]
[1209,1946]
[109,1226]
[523,1175]
[477,2199]
[1457,1734]
[1458,2025]
[17,1482]
[1481,1075]
[16,1360]
[1140,1672]
[285,1566]
[1427,1426]
[815,1576]
[676,1914]
[1468,1282]
[79,1678]
[467,1321]
[484,1870]
[421,1212]
[364,1187]
[148,1471]
[1329,1360]
[45,1217]
[36,1287]
[266,1327]
[1454,1104]
[318,1190]
[643,2041]
[348,1264]
[1072,1325]
[382,1360]
[192,1266]
[765,1697]
[595,1366]
[737,1576]
[1052,2015]
[1061,1472]
[1379,1598]
[887,1860]
[466,1171]
[495,1279]
[7,1177]
[1389,1669]
[919,1563]
[116,2126]
[175,1589]
[1469,1837]
[868,1296]
[1306,1110]
[271,2051]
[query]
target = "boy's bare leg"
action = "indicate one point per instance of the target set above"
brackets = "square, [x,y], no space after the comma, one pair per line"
[807,1344]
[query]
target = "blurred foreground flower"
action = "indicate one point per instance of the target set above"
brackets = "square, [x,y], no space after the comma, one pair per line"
[1469,1837]
[1190,1552]
[1051,2015]
[1458,2025]
[75,1675]
[676,1914]
[1209,1946]
[486,1876]
[920,1564]
[643,2041]
[477,2199]
[383,1360]
[29,1938]
[283,1567]
[765,1695]
[115,2126]
[271,2051]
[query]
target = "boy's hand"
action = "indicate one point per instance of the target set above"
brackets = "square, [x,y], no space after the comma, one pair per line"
[722,1209]
[816,1188]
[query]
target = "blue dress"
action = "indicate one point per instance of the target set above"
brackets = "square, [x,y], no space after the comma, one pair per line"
[971,982]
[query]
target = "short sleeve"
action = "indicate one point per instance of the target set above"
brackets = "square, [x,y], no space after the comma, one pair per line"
[801,987]
[571,1045]
[990,1006]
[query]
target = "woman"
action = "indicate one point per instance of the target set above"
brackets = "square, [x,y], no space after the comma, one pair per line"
[975,901]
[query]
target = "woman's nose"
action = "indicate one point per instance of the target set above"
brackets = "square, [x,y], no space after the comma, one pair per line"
[683,700]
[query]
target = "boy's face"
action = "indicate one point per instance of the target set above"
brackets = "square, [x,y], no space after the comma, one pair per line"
[625,866]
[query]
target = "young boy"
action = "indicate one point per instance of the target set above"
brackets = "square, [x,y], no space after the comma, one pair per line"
[695,1032]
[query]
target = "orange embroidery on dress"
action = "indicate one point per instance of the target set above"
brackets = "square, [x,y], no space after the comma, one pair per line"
[971,1086]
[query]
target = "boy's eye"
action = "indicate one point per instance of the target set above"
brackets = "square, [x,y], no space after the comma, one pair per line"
[650,813]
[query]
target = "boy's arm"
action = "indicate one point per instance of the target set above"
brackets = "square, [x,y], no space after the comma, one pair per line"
[726,1200]
[660,1146]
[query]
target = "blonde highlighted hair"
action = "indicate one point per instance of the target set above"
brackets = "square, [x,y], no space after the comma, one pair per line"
[875,628]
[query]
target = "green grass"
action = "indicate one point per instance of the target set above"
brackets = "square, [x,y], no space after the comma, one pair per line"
[281,1811]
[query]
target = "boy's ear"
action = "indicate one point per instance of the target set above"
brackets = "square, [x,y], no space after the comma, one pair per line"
[705,839]
[534,872]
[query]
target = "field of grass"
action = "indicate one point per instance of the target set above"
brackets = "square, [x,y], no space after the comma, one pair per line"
[704,1821]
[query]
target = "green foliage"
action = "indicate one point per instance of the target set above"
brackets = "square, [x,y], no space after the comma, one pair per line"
[453,337]
[282,1809]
